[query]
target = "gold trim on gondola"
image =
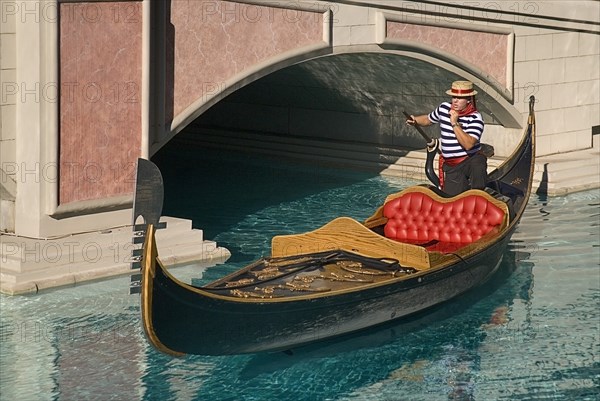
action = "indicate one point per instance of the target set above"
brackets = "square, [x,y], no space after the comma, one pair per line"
[149,272]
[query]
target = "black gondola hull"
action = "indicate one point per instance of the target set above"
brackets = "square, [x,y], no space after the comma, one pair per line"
[218,327]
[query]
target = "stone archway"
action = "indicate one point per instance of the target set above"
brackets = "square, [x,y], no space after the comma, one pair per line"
[352,96]
[270,41]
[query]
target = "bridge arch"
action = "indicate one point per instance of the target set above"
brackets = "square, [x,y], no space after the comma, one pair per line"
[312,40]
[368,85]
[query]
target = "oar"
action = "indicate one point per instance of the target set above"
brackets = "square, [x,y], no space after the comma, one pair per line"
[433,146]
[430,142]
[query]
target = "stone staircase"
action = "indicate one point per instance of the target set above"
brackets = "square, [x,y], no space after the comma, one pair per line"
[565,173]
[396,161]
[29,265]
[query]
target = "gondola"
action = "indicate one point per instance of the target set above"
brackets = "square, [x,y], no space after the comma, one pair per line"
[419,249]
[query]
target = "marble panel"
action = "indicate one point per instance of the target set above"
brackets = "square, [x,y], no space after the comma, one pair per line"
[485,50]
[213,41]
[100,98]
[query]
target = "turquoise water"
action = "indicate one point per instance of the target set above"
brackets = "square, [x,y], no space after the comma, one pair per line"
[531,333]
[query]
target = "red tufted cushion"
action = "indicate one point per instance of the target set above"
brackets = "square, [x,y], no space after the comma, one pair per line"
[416,218]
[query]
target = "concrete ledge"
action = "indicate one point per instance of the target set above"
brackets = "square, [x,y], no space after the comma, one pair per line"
[565,173]
[28,265]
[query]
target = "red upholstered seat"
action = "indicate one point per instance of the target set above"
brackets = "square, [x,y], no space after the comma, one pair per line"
[417,218]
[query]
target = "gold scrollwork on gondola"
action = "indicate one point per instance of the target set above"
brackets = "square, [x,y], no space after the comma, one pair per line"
[244,281]
[345,271]
[331,276]
[305,287]
[349,278]
[358,268]
[251,294]
[266,273]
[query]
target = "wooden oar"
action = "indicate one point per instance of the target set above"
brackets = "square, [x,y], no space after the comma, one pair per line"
[430,142]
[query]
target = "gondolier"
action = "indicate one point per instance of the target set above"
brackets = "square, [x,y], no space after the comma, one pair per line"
[462,166]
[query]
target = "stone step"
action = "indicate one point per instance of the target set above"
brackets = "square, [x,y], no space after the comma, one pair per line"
[29,265]
[186,253]
[167,239]
[67,274]
[571,160]
[23,254]
[566,173]
[570,176]
[569,171]
[405,163]
[174,225]
[299,147]
[561,188]
[208,253]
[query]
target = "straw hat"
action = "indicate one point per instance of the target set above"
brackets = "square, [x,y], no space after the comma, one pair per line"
[462,89]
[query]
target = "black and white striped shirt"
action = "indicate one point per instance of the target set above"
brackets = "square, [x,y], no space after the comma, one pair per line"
[472,124]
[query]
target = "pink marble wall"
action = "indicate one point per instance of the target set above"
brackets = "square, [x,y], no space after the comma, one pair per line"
[215,40]
[100,98]
[485,50]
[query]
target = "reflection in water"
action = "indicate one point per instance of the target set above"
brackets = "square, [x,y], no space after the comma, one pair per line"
[94,350]
[442,339]
[70,342]
[399,333]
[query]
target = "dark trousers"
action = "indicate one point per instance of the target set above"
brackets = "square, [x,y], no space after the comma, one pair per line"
[470,174]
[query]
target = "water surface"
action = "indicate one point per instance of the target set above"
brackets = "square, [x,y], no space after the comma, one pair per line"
[531,333]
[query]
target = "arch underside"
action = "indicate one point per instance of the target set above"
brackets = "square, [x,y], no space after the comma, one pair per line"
[356,96]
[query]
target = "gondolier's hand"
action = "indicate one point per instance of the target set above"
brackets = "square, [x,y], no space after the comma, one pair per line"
[453,116]
[411,121]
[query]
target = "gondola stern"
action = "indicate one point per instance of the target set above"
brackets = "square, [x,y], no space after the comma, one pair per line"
[527,142]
